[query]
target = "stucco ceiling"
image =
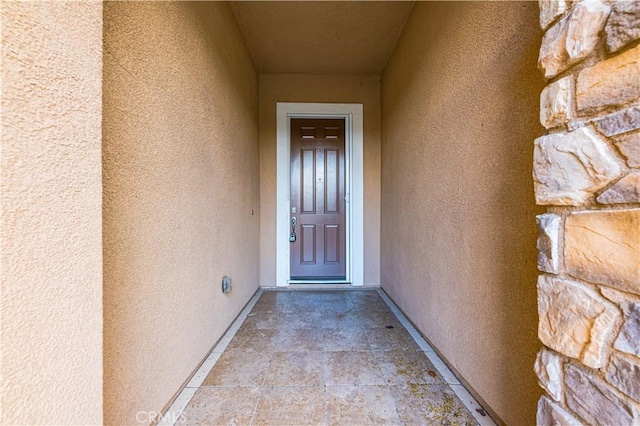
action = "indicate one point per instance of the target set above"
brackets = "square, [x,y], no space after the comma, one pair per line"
[321,37]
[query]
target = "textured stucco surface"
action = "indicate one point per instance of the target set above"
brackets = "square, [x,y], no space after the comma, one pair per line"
[330,89]
[51,193]
[181,174]
[321,37]
[460,102]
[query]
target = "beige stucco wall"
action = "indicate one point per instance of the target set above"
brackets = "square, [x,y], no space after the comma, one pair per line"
[181,194]
[51,239]
[459,113]
[328,89]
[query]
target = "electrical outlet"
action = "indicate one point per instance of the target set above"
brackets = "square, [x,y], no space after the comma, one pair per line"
[226,284]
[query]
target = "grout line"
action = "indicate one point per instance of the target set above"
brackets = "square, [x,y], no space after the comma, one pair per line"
[261,388]
[326,404]
[264,380]
[475,409]
[338,385]
[244,386]
[174,413]
[324,388]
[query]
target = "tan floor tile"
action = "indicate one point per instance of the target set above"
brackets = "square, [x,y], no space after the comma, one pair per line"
[301,340]
[271,302]
[343,305]
[221,406]
[349,319]
[262,321]
[370,303]
[308,308]
[402,367]
[387,339]
[291,406]
[363,295]
[345,339]
[255,340]
[305,309]
[237,367]
[361,405]
[298,320]
[321,295]
[376,319]
[295,369]
[312,357]
[319,301]
[352,368]
[279,296]
[429,405]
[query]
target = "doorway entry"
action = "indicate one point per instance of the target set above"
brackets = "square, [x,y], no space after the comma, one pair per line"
[320,194]
[317,200]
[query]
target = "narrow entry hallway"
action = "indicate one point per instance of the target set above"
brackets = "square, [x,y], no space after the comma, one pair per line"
[324,357]
[150,208]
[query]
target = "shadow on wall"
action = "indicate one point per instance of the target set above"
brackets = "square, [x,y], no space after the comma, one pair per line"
[460,102]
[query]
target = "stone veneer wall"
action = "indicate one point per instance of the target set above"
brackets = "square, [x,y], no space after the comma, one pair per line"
[587,171]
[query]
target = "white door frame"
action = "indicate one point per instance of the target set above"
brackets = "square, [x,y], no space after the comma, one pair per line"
[354,149]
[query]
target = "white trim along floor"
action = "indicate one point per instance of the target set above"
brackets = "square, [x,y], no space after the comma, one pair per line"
[270,388]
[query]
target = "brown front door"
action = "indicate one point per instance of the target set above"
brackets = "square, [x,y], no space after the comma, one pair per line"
[318,249]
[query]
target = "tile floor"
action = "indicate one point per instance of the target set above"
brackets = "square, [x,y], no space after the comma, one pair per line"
[307,357]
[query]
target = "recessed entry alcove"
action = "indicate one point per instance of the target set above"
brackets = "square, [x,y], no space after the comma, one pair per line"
[471,166]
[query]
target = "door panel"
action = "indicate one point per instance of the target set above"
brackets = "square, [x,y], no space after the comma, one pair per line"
[308,177]
[332,243]
[308,244]
[332,181]
[318,199]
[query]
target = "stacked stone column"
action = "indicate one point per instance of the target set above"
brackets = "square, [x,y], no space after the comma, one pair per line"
[587,171]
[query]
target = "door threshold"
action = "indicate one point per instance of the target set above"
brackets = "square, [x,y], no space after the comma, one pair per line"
[313,286]
[319,282]
[327,286]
